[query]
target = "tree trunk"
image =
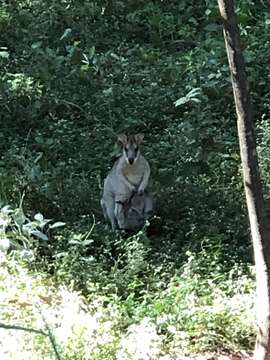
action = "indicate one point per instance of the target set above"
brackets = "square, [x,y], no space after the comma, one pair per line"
[251,176]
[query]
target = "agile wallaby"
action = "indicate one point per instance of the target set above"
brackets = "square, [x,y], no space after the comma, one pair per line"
[129,175]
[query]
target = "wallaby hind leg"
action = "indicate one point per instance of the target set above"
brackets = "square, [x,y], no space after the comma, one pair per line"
[148,205]
[108,211]
[102,203]
[120,215]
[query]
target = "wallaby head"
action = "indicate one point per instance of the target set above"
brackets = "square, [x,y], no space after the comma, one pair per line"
[131,146]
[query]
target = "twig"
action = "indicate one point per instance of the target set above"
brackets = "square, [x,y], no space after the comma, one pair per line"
[52,340]
[23,328]
[18,327]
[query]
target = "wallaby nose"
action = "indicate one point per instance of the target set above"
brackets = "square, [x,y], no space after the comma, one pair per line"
[131,161]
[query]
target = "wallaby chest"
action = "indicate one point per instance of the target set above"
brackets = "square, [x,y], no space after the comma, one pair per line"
[134,172]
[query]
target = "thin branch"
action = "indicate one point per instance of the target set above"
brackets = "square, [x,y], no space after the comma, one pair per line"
[52,340]
[23,328]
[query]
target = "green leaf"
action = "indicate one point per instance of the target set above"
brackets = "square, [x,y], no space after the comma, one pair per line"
[181,101]
[4,54]
[191,96]
[36,45]
[39,235]
[6,210]
[19,217]
[84,67]
[39,217]
[87,242]
[4,244]
[92,52]
[57,224]
[74,242]
[66,33]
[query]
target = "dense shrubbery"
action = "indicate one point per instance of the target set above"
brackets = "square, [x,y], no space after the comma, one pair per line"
[73,74]
[187,313]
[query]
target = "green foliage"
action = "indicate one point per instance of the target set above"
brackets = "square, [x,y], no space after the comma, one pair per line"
[203,313]
[186,313]
[74,74]
[17,232]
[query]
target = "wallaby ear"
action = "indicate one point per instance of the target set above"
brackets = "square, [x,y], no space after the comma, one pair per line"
[139,138]
[122,138]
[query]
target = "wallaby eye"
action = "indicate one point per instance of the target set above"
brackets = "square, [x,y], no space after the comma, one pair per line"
[136,149]
[126,148]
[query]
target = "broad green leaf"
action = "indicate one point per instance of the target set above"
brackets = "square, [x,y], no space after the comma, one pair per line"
[4,244]
[191,96]
[39,217]
[87,242]
[19,217]
[6,210]
[39,235]
[4,54]
[57,224]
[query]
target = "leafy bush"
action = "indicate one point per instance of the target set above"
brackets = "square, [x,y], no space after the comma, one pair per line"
[191,312]
[20,233]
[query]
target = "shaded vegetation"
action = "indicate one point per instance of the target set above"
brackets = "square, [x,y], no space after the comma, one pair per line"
[73,74]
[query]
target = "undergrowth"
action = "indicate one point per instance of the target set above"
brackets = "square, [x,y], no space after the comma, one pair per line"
[118,303]
[74,74]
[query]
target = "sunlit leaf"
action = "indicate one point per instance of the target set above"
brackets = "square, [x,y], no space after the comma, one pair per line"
[57,224]
[19,217]
[87,242]
[39,235]
[4,54]
[66,33]
[4,244]
[39,217]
